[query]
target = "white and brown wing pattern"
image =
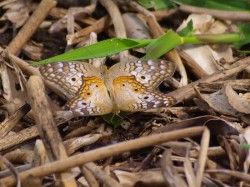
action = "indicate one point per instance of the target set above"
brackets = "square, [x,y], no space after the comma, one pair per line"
[150,73]
[130,95]
[134,84]
[67,76]
[83,82]
[91,99]
[125,86]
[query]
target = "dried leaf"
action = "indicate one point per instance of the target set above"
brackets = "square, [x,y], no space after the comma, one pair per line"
[205,56]
[238,103]
[135,27]
[17,13]
[147,178]
[14,96]
[219,102]
[169,172]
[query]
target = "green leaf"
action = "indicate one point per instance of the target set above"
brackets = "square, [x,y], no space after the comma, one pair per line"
[230,5]
[146,3]
[164,4]
[101,49]
[245,35]
[114,119]
[163,44]
[155,48]
[188,30]
[245,146]
[157,4]
[245,51]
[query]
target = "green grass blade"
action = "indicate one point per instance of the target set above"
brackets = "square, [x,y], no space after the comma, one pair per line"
[157,4]
[188,30]
[245,146]
[245,35]
[97,50]
[155,48]
[163,44]
[230,5]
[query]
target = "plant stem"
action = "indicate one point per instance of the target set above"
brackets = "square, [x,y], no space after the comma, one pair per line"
[213,38]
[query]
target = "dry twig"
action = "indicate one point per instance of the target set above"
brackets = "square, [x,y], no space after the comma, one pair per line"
[188,91]
[101,175]
[31,26]
[46,125]
[116,17]
[202,157]
[8,124]
[104,152]
[220,14]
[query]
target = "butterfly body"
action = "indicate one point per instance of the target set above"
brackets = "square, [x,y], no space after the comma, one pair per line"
[98,91]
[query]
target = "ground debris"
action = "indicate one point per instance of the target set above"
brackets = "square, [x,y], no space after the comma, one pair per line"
[196,142]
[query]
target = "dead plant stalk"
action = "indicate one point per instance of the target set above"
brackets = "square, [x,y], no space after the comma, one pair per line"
[97,154]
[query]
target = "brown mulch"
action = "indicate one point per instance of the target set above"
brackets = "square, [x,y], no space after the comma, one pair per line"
[197,142]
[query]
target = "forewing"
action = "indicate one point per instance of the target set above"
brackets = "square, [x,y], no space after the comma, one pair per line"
[130,95]
[67,76]
[92,99]
[149,73]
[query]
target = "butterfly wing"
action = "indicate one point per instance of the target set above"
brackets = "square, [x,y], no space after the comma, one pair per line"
[82,83]
[130,95]
[149,73]
[92,98]
[67,76]
[132,84]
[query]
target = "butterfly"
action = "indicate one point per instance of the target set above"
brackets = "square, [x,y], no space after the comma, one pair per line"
[126,86]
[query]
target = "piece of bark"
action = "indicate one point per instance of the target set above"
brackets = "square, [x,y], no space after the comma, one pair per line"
[101,175]
[188,91]
[46,125]
[97,27]
[12,169]
[31,26]
[23,136]
[8,124]
[116,17]
[39,156]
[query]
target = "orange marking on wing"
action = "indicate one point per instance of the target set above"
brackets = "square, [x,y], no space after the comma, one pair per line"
[121,81]
[84,91]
